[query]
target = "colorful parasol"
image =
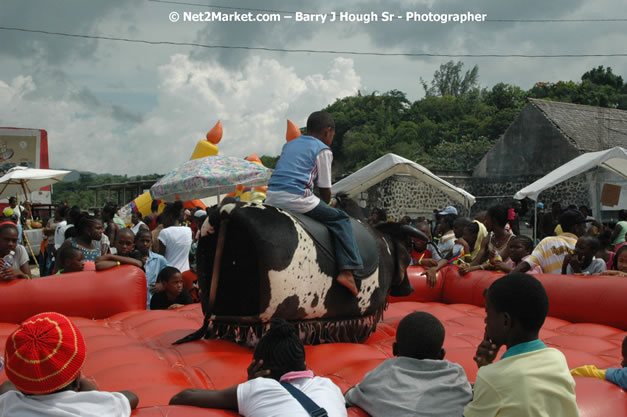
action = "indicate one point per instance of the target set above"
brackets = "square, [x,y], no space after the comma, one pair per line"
[209,176]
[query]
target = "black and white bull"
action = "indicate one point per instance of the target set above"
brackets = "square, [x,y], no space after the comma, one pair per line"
[266,265]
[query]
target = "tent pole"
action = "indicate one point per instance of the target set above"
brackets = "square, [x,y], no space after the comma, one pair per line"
[596,200]
[535,220]
[24,236]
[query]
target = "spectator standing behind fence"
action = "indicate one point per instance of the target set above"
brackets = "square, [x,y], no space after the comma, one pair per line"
[175,240]
[620,230]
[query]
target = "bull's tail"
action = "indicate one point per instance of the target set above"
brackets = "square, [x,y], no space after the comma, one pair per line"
[203,332]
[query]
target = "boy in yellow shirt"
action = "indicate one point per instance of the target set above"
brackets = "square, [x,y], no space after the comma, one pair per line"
[529,379]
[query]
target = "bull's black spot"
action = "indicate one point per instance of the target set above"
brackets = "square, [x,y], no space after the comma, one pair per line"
[314,302]
[290,307]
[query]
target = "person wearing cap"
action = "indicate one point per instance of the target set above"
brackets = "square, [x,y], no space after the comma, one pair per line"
[551,251]
[43,360]
[447,246]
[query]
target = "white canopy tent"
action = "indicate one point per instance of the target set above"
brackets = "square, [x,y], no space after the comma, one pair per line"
[391,164]
[614,159]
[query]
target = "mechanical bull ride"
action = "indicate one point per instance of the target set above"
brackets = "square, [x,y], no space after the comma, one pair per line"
[257,262]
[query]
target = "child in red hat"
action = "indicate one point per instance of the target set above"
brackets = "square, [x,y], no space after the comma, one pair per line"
[43,361]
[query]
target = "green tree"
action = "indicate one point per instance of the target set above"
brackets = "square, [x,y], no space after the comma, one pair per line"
[505,96]
[269,161]
[462,156]
[603,76]
[450,80]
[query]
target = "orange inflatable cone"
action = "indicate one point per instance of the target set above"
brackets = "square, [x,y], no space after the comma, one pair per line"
[292,131]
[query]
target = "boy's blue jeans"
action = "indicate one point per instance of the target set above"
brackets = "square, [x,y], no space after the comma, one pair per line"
[346,251]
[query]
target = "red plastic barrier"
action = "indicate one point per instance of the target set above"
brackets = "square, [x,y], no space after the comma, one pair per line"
[94,295]
[599,398]
[133,350]
[422,292]
[576,298]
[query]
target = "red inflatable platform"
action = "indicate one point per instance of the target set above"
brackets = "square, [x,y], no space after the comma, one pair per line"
[128,348]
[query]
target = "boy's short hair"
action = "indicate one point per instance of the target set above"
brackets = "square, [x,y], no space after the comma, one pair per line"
[420,335]
[449,220]
[472,227]
[142,231]
[318,121]
[523,297]
[594,243]
[68,252]
[461,222]
[126,231]
[281,349]
[166,273]
[44,354]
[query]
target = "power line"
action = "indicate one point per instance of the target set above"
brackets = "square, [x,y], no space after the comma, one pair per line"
[555,20]
[311,51]
[218,6]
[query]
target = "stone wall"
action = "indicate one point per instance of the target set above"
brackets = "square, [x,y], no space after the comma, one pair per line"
[404,195]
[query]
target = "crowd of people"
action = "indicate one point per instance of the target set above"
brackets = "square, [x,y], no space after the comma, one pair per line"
[417,378]
[530,379]
[160,244]
[579,244]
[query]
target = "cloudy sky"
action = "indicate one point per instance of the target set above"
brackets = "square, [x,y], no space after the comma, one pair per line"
[138,108]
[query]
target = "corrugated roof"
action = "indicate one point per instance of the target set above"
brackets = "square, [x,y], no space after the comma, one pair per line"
[589,128]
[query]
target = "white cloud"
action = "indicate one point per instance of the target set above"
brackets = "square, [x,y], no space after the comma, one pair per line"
[252,103]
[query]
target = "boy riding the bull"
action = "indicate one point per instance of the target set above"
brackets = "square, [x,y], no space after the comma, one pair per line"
[305,162]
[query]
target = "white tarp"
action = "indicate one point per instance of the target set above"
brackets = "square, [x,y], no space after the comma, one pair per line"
[391,164]
[614,159]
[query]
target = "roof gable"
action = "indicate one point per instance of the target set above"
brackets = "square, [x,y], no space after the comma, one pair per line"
[588,128]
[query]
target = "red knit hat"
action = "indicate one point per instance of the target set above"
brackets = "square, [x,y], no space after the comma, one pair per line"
[44,354]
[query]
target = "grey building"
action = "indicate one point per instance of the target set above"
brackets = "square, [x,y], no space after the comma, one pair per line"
[547,134]
[544,136]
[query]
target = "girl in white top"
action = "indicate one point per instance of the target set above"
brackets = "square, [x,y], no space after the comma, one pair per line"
[279,358]
[175,240]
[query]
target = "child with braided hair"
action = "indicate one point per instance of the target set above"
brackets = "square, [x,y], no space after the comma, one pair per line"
[278,358]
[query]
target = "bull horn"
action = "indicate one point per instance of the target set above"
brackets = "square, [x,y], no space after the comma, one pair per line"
[413,232]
